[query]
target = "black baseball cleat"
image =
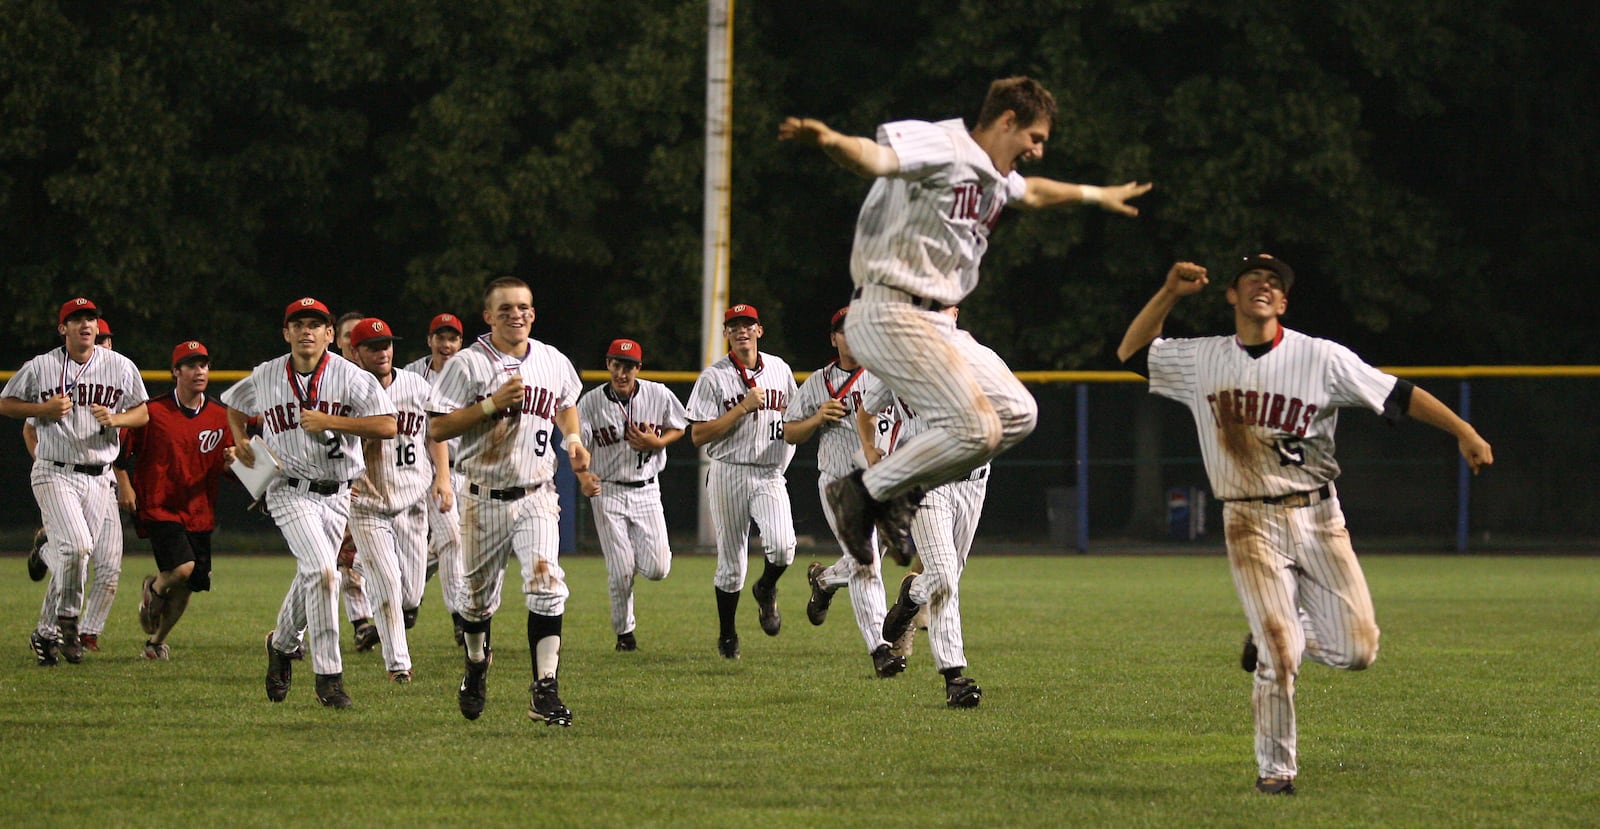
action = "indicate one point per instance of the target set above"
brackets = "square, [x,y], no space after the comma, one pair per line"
[821,597]
[330,691]
[854,512]
[902,613]
[280,672]
[546,704]
[894,547]
[626,642]
[1247,656]
[37,569]
[895,518]
[366,634]
[728,646]
[408,615]
[44,650]
[886,663]
[474,687]
[71,646]
[1275,785]
[767,607]
[962,692]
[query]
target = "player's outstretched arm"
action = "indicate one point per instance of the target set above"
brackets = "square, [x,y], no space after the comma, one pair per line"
[238,423]
[1047,192]
[1183,279]
[859,155]
[1430,410]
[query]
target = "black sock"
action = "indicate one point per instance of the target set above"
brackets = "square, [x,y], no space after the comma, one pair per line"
[769,576]
[727,608]
[951,673]
[538,628]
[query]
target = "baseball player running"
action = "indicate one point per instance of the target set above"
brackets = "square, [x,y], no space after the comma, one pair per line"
[829,404]
[919,239]
[352,582]
[736,413]
[176,461]
[504,396]
[630,423]
[1265,403]
[78,396]
[314,408]
[444,522]
[389,506]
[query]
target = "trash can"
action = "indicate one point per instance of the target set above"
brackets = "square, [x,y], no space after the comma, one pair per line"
[1186,513]
[1061,510]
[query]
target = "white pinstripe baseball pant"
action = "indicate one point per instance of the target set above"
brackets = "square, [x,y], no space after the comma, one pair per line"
[865,582]
[444,545]
[1305,595]
[491,530]
[73,506]
[741,494]
[104,565]
[943,530]
[633,538]
[313,525]
[390,550]
[974,406]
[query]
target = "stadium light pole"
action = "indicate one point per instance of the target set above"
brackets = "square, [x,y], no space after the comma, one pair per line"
[714,235]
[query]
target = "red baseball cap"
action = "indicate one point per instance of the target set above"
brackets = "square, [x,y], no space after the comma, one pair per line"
[838,318]
[741,312]
[78,305]
[371,330]
[307,307]
[1267,262]
[446,321]
[191,350]
[627,350]
[105,328]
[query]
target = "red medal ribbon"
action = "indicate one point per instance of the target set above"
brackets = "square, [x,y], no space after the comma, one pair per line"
[307,394]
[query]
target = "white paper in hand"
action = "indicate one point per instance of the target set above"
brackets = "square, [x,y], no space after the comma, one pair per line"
[256,478]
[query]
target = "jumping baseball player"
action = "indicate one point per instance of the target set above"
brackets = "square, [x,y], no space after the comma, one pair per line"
[736,413]
[314,408]
[352,584]
[829,404]
[389,505]
[919,239]
[78,395]
[176,461]
[630,423]
[444,524]
[1265,403]
[504,396]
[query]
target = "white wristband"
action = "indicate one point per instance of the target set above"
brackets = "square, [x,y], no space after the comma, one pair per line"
[487,406]
[1091,193]
[570,439]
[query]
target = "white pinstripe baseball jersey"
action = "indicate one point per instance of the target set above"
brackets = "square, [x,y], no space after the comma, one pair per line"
[1266,424]
[652,408]
[757,439]
[924,230]
[515,448]
[404,474]
[107,379]
[276,393]
[424,367]
[838,445]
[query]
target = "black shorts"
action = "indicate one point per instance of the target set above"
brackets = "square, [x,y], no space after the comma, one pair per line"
[174,546]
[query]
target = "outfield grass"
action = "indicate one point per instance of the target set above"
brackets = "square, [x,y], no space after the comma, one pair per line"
[1112,698]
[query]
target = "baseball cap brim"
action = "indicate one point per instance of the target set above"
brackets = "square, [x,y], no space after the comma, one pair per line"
[1263,262]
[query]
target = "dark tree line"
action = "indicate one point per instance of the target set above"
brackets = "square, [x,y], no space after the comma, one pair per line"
[192,166]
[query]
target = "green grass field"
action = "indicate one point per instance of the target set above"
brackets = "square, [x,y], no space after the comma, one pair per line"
[1112,698]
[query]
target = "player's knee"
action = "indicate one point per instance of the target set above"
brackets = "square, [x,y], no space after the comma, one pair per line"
[328,578]
[661,567]
[1365,648]
[936,586]
[183,571]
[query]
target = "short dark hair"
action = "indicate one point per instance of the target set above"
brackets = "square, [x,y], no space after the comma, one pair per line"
[502,282]
[1022,95]
[348,316]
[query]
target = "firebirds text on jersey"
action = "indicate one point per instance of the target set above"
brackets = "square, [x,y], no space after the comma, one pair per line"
[1269,409]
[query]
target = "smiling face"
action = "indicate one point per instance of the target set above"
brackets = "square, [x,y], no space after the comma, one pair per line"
[1017,143]
[743,333]
[444,343]
[377,358]
[622,374]
[509,312]
[308,336]
[1258,295]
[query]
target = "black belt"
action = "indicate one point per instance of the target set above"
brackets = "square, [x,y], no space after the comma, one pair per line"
[1293,499]
[632,484]
[920,302]
[317,487]
[979,474]
[85,468]
[510,494]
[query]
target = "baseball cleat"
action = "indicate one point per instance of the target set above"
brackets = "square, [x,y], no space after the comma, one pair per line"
[962,692]
[474,687]
[895,518]
[400,677]
[366,635]
[902,613]
[37,569]
[855,512]
[90,641]
[728,646]
[893,546]
[1247,657]
[149,617]
[767,606]
[408,615]
[821,597]
[155,652]
[44,650]
[330,691]
[546,704]
[885,663]
[280,672]
[1275,785]
[71,646]
[626,642]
